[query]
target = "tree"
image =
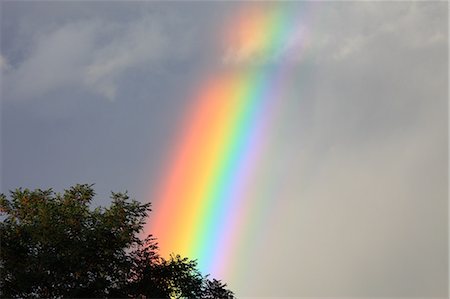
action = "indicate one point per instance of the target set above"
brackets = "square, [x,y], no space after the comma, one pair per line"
[216,289]
[174,278]
[53,245]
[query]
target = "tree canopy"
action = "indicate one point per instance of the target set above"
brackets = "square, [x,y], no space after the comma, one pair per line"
[54,245]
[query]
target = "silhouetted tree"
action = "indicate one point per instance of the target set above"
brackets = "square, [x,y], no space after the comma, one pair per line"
[174,278]
[216,289]
[53,245]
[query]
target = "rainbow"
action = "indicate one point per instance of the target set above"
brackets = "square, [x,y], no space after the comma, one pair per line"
[201,202]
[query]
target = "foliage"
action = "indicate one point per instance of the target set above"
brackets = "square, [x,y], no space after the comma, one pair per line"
[53,245]
[174,278]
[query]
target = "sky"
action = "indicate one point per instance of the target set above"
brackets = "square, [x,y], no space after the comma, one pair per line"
[349,194]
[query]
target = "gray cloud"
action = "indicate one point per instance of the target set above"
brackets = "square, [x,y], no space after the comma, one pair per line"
[350,196]
[4,65]
[357,165]
[94,54]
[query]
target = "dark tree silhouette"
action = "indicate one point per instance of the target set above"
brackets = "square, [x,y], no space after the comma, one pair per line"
[53,245]
[177,277]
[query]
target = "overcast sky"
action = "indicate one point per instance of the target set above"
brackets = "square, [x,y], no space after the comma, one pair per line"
[354,175]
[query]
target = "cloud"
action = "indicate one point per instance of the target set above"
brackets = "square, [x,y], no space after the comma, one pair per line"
[142,42]
[350,30]
[357,163]
[93,55]
[346,31]
[264,34]
[256,52]
[56,61]
[352,189]
[4,65]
